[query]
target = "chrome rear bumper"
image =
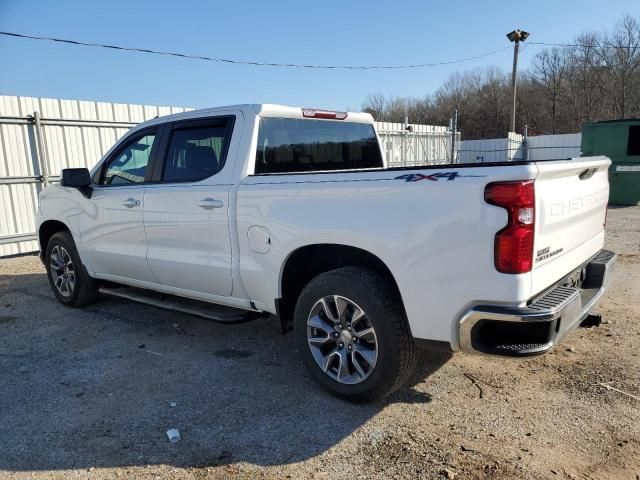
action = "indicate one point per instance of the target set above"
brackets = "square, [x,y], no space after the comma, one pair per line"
[544,322]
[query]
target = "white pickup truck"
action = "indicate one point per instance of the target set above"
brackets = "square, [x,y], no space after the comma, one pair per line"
[266,209]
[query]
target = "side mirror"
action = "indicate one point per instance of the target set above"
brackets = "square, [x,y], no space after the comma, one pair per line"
[79,178]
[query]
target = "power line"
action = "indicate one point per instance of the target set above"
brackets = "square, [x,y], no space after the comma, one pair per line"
[250,62]
[572,45]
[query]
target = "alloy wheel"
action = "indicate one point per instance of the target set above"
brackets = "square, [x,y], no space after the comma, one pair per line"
[62,271]
[342,339]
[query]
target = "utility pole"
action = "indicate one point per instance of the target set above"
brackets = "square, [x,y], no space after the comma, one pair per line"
[516,37]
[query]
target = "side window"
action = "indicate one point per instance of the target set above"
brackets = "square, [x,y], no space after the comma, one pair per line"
[129,164]
[196,153]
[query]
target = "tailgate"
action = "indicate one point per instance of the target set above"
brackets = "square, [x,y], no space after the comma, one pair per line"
[571,202]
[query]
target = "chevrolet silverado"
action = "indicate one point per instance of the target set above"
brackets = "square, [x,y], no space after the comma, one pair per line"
[238,212]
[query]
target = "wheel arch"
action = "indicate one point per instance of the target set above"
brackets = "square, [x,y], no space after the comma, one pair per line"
[46,230]
[309,261]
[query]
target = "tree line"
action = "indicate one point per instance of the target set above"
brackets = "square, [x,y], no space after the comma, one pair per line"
[596,77]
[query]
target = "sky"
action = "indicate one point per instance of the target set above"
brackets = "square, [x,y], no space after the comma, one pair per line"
[322,32]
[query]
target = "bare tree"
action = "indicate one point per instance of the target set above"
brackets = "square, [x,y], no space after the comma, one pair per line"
[375,104]
[585,92]
[457,93]
[620,55]
[549,72]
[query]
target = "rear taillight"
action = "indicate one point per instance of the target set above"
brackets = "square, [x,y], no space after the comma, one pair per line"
[324,114]
[513,249]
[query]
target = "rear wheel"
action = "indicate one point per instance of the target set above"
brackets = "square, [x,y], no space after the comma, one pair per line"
[68,278]
[352,332]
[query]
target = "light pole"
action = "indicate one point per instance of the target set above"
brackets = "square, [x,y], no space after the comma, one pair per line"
[516,37]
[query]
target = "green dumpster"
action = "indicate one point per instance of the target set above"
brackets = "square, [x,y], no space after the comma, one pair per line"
[620,141]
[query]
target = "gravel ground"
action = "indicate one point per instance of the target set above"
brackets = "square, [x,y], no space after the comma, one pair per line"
[90,394]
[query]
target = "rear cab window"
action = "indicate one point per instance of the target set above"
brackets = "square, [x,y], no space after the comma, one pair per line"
[289,145]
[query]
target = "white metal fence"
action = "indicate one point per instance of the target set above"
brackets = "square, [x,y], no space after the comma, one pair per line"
[418,145]
[491,150]
[41,136]
[553,147]
[518,147]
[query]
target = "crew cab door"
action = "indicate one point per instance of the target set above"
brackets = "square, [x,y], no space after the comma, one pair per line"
[186,213]
[111,223]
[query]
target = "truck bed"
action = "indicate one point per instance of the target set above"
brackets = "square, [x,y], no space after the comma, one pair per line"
[430,225]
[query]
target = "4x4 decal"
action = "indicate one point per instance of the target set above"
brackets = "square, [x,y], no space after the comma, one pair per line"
[434,177]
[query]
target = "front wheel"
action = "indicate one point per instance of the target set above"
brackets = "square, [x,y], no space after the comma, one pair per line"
[68,278]
[353,335]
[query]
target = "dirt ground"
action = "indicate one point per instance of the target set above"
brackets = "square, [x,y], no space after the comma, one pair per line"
[90,394]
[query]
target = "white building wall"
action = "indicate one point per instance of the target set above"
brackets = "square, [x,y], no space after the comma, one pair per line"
[75,133]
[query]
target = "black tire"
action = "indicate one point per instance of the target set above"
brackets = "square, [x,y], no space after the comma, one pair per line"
[85,289]
[375,294]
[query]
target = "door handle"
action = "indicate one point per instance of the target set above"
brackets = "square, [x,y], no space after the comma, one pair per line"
[131,202]
[210,203]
